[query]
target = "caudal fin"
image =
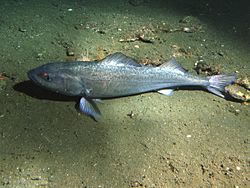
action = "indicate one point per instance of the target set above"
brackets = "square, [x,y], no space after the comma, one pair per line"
[217,83]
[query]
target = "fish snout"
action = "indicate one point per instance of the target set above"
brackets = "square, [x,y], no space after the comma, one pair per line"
[30,74]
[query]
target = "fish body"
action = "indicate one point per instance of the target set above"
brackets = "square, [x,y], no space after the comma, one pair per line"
[118,75]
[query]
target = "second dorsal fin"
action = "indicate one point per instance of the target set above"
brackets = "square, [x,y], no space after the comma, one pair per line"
[174,66]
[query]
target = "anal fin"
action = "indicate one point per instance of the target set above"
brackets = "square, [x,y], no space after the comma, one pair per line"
[167,92]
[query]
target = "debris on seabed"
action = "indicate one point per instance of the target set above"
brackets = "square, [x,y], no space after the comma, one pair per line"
[146,34]
[240,90]
[192,29]
[202,67]
[178,51]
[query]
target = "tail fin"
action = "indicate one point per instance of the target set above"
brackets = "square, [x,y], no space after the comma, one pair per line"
[217,83]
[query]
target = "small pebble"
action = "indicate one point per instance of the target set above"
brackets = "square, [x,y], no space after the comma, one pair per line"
[187,30]
[22,30]
[237,111]
[221,54]
[70,52]
[39,55]
[137,46]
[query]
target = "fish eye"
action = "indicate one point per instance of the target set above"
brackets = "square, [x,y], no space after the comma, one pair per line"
[45,76]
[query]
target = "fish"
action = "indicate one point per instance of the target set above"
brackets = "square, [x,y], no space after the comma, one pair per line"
[118,75]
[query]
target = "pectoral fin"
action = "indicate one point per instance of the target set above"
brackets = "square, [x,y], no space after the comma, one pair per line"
[89,107]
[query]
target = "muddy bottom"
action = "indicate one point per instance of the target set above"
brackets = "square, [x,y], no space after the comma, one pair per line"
[191,139]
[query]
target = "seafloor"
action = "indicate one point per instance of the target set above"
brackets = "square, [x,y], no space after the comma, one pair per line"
[192,139]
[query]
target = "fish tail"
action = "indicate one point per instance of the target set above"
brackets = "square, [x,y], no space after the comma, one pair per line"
[217,83]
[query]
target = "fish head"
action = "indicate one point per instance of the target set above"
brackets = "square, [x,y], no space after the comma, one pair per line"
[57,78]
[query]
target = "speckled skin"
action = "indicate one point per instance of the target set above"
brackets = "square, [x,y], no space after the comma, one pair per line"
[107,80]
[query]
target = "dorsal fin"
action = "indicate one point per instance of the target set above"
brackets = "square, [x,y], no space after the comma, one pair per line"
[174,66]
[119,59]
